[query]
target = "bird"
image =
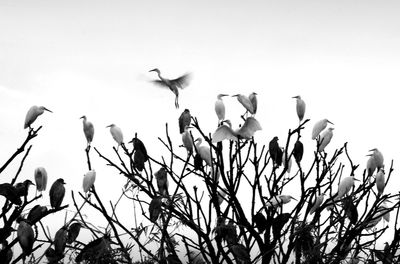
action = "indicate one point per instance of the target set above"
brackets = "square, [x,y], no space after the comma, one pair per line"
[10,193]
[253,100]
[57,192]
[378,157]
[36,213]
[246,131]
[6,253]
[32,114]
[371,165]
[260,222]
[60,240]
[52,256]
[345,186]
[197,162]
[140,156]
[220,108]
[204,151]
[187,140]
[350,210]
[278,223]
[319,126]
[373,220]
[88,180]
[275,152]
[26,237]
[73,232]
[95,250]
[317,203]
[162,181]
[155,209]
[385,211]
[245,101]
[22,188]
[326,137]
[116,133]
[240,253]
[40,179]
[180,82]
[184,120]
[298,151]
[300,107]
[88,130]
[278,200]
[380,181]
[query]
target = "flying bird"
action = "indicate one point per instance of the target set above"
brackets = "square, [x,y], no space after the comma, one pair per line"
[220,108]
[180,82]
[40,179]
[33,113]
[325,139]
[116,133]
[57,192]
[275,152]
[88,130]
[88,180]
[184,120]
[253,100]
[300,107]
[245,101]
[319,126]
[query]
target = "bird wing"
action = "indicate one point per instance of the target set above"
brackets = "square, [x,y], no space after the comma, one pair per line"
[181,82]
[160,83]
[222,133]
[250,126]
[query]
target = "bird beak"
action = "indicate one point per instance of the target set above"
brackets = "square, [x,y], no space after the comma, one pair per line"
[372,149]
[330,122]
[152,70]
[47,110]
[235,95]
[293,198]
[81,117]
[295,97]
[108,126]
[356,179]
[224,95]
[131,141]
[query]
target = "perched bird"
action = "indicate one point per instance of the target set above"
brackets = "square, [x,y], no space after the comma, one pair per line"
[319,126]
[33,113]
[10,193]
[317,203]
[40,179]
[187,140]
[26,237]
[22,188]
[57,192]
[155,209]
[371,165]
[73,232]
[220,108]
[325,139]
[204,151]
[278,200]
[298,151]
[345,186]
[278,223]
[224,132]
[184,120]
[275,152]
[5,254]
[260,222]
[246,131]
[245,101]
[95,250]
[240,253]
[88,130]
[140,156]
[350,210]
[60,240]
[378,157]
[162,181]
[88,180]
[198,162]
[300,107]
[380,181]
[173,85]
[253,100]
[36,213]
[52,256]
[116,133]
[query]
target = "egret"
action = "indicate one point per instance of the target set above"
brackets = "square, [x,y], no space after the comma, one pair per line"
[319,126]
[345,186]
[371,165]
[26,237]
[33,113]
[187,140]
[220,108]
[116,133]
[36,213]
[298,151]
[73,232]
[278,200]
[253,100]
[140,156]
[22,188]
[204,151]
[385,211]
[40,179]
[300,107]
[350,210]
[184,120]
[246,131]
[173,85]
[10,193]
[95,250]
[326,137]
[380,181]
[275,152]
[88,180]
[224,132]
[318,201]
[245,101]
[250,126]
[162,181]
[260,222]
[57,192]
[155,209]
[88,130]
[378,157]
[60,240]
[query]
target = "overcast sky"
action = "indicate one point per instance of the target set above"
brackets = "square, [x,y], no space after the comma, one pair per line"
[92,58]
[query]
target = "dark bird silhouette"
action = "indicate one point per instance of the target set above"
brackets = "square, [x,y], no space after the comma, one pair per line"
[57,192]
[52,256]
[155,209]
[276,152]
[260,222]
[173,85]
[278,223]
[184,120]
[36,213]
[95,250]
[73,232]
[10,193]
[60,240]
[198,162]
[6,254]
[298,151]
[350,209]
[162,181]
[240,253]
[140,155]
[22,188]
[26,237]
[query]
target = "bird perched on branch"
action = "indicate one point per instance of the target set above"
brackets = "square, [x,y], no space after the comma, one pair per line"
[184,120]
[40,179]
[95,250]
[187,140]
[57,192]
[88,130]
[275,152]
[220,108]
[23,188]
[180,82]
[116,133]
[245,101]
[300,107]
[319,126]
[33,113]
[162,181]
[140,156]
[326,137]
[378,157]
[246,131]
[203,151]
[26,237]
[298,151]
[253,100]
[88,180]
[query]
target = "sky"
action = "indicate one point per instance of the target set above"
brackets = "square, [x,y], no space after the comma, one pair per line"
[92,58]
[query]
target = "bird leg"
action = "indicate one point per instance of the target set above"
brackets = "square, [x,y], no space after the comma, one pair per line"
[176,102]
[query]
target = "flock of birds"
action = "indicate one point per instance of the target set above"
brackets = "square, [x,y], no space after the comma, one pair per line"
[224,131]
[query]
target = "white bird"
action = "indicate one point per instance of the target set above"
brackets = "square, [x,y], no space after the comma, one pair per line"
[318,201]
[88,130]
[375,219]
[384,209]
[300,107]
[371,165]
[319,126]
[245,101]
[279,200]
[187,140]
[40,179]
[116,133]
[204,151]
[250,126]
[220,108]
[345,186]
[33,113]
[253,100]
[325,139]
[380,181]
[88,180]
[378,157]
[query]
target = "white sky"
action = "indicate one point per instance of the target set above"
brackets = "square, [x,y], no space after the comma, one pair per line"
[92,58]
